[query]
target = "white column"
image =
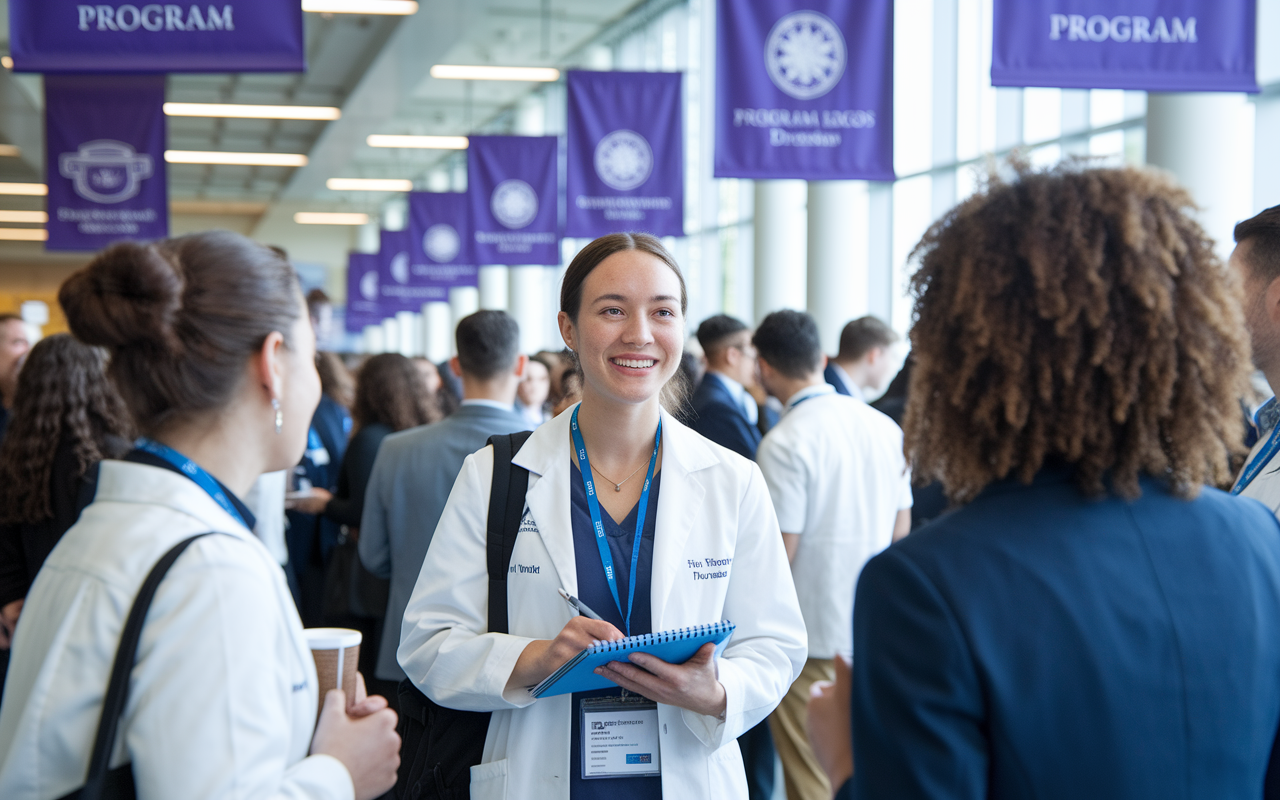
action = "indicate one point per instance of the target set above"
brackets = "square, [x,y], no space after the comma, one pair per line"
[407,327]
[528,304]
[437,323]
[1266,187]
[1206,141]
[837,284]
[463,301]
[779,232]
[493,287]
[390,335]
[371,340]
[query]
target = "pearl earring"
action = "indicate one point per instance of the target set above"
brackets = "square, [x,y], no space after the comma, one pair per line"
[279,415]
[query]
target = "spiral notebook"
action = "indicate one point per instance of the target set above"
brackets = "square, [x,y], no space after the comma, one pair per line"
[674,646]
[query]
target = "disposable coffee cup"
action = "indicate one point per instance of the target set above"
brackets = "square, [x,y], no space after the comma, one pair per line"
[337,655]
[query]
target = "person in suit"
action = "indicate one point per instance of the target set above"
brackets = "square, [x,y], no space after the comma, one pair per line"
[722,409]
[415,469]
[867,359]
[1093,620]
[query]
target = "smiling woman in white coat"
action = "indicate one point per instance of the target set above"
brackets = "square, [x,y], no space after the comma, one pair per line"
[689,537]
[213,352]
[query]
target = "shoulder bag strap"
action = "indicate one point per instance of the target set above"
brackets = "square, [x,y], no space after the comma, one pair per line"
[506,506]
[118,686]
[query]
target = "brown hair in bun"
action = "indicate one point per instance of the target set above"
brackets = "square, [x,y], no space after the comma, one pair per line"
[180,317]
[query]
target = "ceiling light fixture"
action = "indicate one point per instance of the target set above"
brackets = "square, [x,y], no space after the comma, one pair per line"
[33,189]
[24,234]
[329,218]
[395,7]
[369,185]
[24,216]
[419,142]
[465,72]
[11,150]
[242,111]
[6,62]
[240,159]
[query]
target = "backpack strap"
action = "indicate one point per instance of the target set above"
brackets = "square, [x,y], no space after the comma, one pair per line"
[506,507]
[117,695]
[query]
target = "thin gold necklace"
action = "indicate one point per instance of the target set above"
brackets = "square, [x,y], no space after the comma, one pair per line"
[617,485]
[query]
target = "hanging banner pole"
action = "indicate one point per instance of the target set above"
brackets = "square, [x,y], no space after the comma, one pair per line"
[104,160]
[625,153]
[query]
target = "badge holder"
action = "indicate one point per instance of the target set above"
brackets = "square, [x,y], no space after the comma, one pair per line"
[619,738]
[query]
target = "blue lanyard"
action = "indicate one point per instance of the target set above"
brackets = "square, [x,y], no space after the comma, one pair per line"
[193,471]
[606,557]
[1255,466]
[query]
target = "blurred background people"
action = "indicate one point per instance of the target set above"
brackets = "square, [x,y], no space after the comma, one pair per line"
[415,470]
[867,359]
[14,344]
[1093,620]
[532,393]
[842,491]
[212,353]
[721,408]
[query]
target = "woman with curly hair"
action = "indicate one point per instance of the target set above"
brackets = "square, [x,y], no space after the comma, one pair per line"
[66,418]
[1092,620]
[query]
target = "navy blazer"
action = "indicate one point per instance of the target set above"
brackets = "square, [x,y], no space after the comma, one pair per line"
[1035,643]
[833,378]
[715,414]
[332,423]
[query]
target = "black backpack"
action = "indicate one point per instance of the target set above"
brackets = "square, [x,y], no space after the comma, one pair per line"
[438,745]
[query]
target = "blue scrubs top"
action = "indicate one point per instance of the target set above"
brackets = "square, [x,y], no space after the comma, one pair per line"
[593,590]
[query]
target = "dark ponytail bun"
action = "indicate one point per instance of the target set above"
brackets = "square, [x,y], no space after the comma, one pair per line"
[181,317]
[129,295]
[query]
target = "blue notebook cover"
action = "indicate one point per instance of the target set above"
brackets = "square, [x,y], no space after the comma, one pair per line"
[675,647]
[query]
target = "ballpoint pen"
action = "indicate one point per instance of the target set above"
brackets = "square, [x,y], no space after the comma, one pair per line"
[579,606]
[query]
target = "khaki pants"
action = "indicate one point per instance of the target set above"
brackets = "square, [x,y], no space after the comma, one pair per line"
[804,777]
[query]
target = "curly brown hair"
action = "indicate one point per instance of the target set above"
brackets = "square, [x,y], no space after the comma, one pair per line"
[63,394]
[1079,315]
[390,390]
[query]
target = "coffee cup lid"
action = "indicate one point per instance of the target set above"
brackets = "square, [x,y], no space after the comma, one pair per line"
[332,638]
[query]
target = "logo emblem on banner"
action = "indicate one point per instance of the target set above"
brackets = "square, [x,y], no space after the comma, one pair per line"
[805,55]
[106,171]
[400,267]
[369,285]
[514,203]
[623,160]
[441,243]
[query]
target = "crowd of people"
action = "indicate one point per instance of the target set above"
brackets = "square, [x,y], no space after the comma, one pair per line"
[1022,556]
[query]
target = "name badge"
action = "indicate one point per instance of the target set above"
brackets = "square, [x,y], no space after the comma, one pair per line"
[620,738]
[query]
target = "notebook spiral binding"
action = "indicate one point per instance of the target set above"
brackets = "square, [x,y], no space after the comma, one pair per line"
[650,639]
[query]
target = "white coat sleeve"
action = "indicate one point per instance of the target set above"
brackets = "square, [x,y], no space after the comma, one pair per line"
[770,645]
[444,647]
[214,708]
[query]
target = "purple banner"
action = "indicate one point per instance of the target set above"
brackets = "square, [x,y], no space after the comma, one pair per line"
[363,307]
[104,160]
[1152,45]
[397,288]
[804,89]
[220,36]
[513,195]
[626,153]
[443,243]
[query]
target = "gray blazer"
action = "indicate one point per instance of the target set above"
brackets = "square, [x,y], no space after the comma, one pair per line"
[412,478]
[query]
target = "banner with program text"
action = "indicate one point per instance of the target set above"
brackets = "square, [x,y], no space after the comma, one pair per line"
[363,306]
[443,244]
[804,89]
[513,191]
[1151,45]
[219,36]
[625,153]
[104,160]
[398,289]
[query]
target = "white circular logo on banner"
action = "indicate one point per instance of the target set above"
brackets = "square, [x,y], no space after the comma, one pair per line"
[106,171]
[442,243]
[514,203]
[369,285]
[623,160]
[805,55]
[400,267]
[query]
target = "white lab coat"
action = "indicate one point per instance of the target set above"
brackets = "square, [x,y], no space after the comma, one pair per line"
[222,700]
[712,504]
